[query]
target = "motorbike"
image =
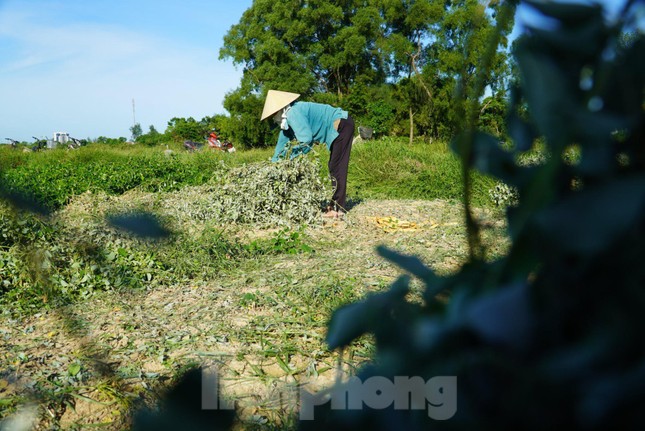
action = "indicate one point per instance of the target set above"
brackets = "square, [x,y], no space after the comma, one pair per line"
[12,142]
[214,143]
[40,144]
[193,146]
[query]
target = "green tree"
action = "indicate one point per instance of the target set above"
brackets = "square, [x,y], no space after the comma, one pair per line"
[180,129]
[381,117]
[244,125]
[414,98]
[308,47]
[136,131]
[220,124]
[406,35]
[409,53]
[153,137]
[460,40]
[492,115]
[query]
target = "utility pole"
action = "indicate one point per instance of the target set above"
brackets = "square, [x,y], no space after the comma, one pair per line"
[134,121]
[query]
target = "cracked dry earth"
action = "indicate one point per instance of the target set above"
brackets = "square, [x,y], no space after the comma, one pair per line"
[261,325]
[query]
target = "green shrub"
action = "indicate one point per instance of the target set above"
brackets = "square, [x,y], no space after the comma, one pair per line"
[380,117]
[54,177]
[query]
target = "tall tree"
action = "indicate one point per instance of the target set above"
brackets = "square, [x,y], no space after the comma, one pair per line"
[136,131]
[408,24]
[431,46]
[304,46]
[460,42]
[329,50]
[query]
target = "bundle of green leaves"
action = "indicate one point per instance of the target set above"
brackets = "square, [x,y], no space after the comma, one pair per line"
[287,193]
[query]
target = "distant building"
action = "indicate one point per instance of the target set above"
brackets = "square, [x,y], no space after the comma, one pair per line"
[59,138]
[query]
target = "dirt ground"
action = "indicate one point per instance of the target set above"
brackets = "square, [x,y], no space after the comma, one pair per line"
[261,326]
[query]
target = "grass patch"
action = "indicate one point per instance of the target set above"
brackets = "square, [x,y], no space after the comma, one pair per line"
[393,169]
[388,168]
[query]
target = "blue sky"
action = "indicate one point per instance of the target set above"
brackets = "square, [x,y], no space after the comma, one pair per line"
[76,65]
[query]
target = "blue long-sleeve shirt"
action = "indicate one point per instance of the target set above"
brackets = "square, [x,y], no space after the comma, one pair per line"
[308,123]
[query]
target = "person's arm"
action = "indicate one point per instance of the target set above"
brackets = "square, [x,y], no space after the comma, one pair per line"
[300,131]
[281,147]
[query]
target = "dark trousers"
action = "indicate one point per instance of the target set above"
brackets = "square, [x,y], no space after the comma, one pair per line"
[339,162]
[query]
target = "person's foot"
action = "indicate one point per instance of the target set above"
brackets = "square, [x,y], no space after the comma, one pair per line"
[332,214]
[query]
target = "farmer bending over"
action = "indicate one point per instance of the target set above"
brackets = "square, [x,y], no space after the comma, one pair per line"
[307,123]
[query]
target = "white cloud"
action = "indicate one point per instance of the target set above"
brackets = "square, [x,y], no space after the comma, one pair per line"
[82,78]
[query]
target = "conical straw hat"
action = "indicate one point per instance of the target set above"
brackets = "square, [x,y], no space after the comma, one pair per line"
[275,101]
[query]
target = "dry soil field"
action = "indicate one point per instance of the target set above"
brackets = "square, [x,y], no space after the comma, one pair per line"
[261,325]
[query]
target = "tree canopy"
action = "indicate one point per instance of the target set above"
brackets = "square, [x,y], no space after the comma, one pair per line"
[399,58]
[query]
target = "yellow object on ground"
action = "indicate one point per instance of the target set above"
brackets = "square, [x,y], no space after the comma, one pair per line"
[393,224]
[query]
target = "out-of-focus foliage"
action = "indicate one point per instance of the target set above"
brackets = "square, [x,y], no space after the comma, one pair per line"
[183,408]
[548,336]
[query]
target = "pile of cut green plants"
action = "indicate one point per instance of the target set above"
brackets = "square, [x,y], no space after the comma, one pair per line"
[264,194]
